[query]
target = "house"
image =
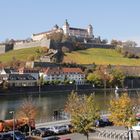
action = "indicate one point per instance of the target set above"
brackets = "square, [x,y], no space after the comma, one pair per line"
[19,80]
[62,74]
[5,72]
[50,56]
[33,72]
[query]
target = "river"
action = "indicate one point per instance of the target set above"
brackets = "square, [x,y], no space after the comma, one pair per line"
[48,103]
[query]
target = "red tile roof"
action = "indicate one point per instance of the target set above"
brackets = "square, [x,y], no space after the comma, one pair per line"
[58,70]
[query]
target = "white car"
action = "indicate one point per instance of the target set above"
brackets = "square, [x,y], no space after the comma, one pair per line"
[137,127]
[62,129]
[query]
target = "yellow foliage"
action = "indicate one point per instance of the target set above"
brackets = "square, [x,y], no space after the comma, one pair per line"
[121,111]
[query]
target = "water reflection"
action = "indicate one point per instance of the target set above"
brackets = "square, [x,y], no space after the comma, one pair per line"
[47,103]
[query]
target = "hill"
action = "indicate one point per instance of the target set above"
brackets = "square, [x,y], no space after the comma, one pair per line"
[21,54]
[99,56]
[88,56]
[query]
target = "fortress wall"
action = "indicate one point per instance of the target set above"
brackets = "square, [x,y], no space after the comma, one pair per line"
[134,50]
[45,43]
[42,43]
[5,48]
[91,45]
[2,48]
[26,45]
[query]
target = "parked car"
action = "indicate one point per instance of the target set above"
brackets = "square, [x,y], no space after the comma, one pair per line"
[18,135]
[6,136]
[65,139]
[42,132]
[51,138]
[137,127]
[103,122]
[62,129]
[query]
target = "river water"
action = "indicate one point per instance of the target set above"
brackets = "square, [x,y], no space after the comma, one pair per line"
[48,103]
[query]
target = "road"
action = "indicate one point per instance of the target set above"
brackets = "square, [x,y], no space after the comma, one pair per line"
[108,133]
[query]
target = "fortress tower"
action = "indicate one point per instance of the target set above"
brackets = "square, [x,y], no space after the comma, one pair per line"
[66,28]
[90,31]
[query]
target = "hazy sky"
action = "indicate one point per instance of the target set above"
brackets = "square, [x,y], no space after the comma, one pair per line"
[111,19]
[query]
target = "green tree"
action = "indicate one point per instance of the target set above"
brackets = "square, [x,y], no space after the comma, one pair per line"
[83,111]
[117,77]
[95,79]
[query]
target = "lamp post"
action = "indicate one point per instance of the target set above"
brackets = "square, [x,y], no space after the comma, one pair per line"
[13,113]
[105,82]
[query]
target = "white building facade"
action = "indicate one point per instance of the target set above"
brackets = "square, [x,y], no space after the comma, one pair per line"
[62,74]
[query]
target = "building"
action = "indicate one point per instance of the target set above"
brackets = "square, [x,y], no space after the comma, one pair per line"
[40,36]
[78,32]
[19,80]
[5,72]
[66,30]
[33,72]
[64,74]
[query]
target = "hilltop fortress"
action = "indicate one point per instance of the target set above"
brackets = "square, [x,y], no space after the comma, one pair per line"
[66,30]
[41,39]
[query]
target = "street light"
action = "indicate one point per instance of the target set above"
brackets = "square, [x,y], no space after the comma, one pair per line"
[13,113]
[105,73]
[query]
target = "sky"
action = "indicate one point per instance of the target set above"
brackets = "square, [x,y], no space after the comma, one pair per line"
[111,19]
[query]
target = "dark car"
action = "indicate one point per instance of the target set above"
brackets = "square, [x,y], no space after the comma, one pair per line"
[42,132]
[51,138]
[103,122]
[17,134]
[6,136]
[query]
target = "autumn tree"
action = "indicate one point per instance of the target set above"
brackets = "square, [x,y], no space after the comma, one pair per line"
[27,110]
[31,58]
[83,111]
[95,79]
[117,77]
[122,111]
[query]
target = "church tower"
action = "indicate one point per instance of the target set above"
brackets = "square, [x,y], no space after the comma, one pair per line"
[66,28]
[90,31]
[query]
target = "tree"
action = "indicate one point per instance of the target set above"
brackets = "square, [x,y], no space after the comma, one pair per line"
[122,111]
[117,77]
[31,58]
[116,42]
[130,43]
[83,111]
[27,110]
[94,78]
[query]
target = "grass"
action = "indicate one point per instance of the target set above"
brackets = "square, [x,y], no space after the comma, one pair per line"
[21,54]
[88,56]
[100,56]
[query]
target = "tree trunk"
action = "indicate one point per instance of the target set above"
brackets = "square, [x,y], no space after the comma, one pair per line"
[87,136]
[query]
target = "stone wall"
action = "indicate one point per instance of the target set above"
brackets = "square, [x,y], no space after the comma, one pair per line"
[133,50]
[42,43]
[5,48]
[2,48]
[94,45]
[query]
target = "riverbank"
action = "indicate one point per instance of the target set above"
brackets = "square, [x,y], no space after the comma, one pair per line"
[36,90]
[43,89]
